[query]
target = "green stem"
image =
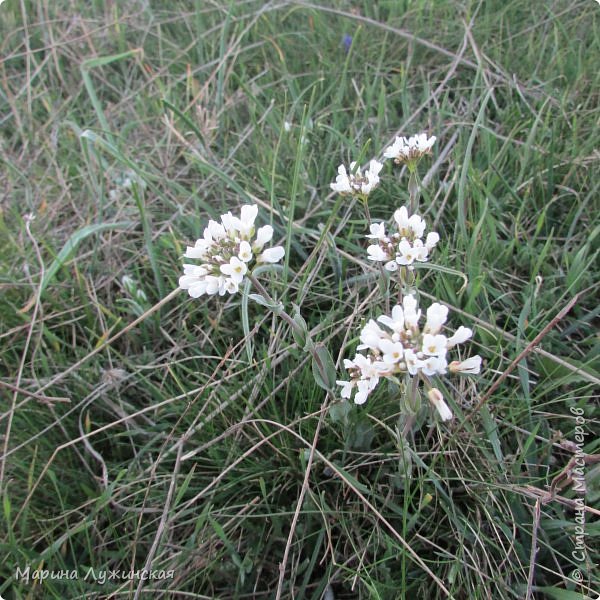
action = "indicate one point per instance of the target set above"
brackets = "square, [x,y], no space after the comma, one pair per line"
[412,383]
[309,347]
[365,202]
[413,191]
[263,292]
[384,287]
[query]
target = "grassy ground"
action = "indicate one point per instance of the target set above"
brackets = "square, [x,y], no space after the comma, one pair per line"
[184,445]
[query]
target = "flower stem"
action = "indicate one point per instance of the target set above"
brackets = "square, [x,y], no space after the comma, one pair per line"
[384,286]
[263,292]
[321,358]
[365,203]
[413,191]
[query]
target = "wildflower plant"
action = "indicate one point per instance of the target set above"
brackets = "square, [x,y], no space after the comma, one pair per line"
[399,345]
[396,346]
[233,250]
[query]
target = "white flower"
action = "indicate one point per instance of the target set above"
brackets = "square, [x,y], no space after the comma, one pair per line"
[247,217]
[407,225]
[370,336]
[347,386]
[193,280]
[391,266]
[232,224]
[342,182]
[396,345]
[432,239]
[406,255]
[357,182]
[372,176]
[411,314]
[365,376]
[436,398]
[272,255]
[436,316]
[376,252]
[377,231]
[470,365]
[369,369]
[462,335]
[196,287]
[413,364]
[409,149]
[198,250]
[364,389]
[434,345]
[214,232]
[213,284]
[401,218]
[396,321]
[231,286]
[263,235]
[404,247]
[421,142]
[245,252]
[433,365]
[420,251]
[398,149]
[195,270]
[236,269]
[392,351]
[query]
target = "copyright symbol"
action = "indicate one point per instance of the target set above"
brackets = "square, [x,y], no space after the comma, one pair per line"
[577,575]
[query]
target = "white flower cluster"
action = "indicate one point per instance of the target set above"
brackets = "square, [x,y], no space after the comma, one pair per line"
[409,149]
[403,247]
[402,150]
[357,182]
[227,252]
[396,345]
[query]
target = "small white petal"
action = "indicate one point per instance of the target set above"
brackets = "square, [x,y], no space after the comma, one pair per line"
[401,217]
[432,239]
[462,335]
[272,255]
[434,345]
[417,225]
[248,214]
[470,366]
[436,398]
[346,390]
[374,167]
[375,252]
[231,286]
[245,251]
[197,289]
[263,236]
[436,316]
[377,231]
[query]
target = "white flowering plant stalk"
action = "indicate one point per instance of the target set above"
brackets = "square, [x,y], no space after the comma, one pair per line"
[395,346]
[409,151]
[232,251]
